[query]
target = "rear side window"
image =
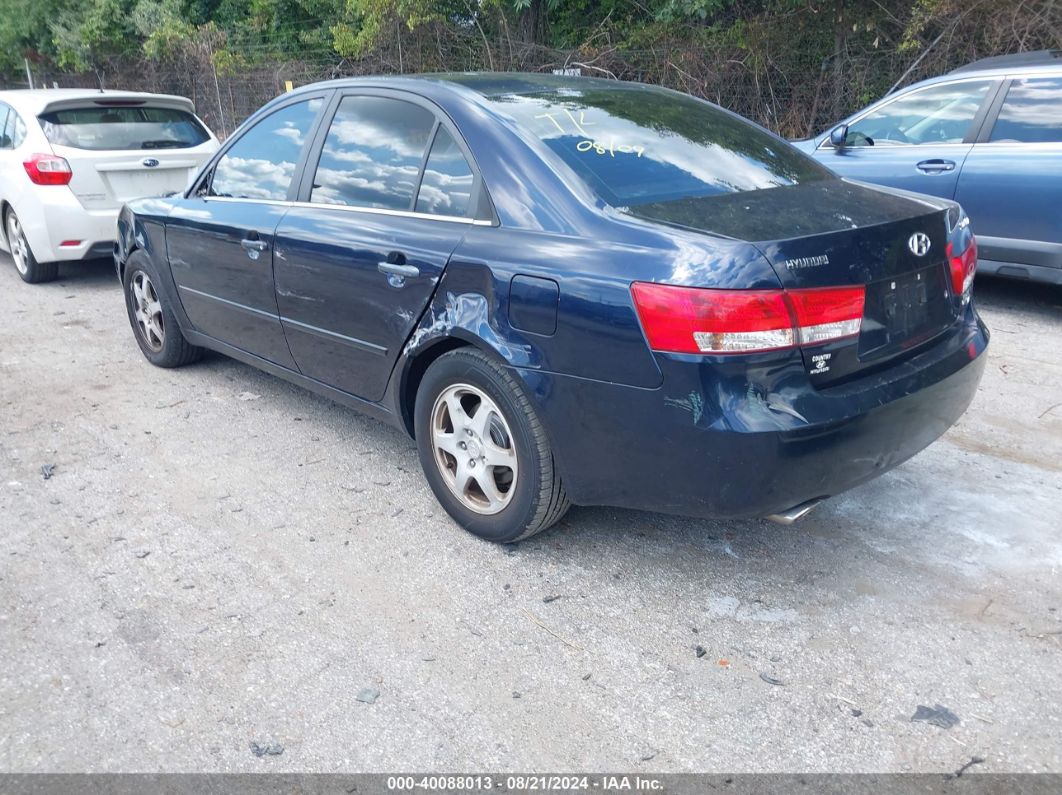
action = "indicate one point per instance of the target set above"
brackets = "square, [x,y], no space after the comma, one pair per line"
[635,145]
[5,137]
[1031,113]
[261,164]
[12,128]
[446,188]
[123,128]
[373,153]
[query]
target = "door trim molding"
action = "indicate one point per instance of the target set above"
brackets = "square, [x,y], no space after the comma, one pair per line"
[317,331]
[249,309]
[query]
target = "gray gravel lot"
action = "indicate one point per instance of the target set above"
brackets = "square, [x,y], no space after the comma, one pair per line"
[221,559]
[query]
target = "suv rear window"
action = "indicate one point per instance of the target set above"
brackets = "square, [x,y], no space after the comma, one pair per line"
[637,145]
[125,127]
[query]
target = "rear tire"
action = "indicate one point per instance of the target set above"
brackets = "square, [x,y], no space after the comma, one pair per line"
[29,269]
[484,451]
[151,316]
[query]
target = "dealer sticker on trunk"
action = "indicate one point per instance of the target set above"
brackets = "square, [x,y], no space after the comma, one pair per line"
[820,363]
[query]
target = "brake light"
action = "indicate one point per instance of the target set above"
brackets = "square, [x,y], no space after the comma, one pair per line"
[700,320]
[48,170]
[963,269]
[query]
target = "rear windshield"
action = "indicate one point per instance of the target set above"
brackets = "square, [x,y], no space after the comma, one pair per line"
[637,145]
[140,127]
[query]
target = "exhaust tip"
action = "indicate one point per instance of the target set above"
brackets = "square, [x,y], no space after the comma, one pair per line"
[797,512]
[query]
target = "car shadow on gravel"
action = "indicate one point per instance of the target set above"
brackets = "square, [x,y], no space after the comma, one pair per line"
[88,273]
[996,293]
[84,273]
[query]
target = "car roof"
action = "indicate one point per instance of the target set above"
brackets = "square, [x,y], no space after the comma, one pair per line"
[493,84]
[1020,61]
[34,102]
[486,84]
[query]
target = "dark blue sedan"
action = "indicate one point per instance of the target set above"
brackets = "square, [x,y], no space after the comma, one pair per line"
[569,291]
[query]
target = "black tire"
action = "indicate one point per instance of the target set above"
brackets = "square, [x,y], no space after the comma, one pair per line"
[168,348]
[538,499]
[26,265]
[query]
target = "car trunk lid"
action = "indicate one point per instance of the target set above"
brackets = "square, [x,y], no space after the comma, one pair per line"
[837,233]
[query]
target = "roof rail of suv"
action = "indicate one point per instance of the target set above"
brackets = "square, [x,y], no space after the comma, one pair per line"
[1035,58]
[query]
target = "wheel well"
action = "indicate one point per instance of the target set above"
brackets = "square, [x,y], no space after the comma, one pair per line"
[4,207]
[125,261]
[415,373]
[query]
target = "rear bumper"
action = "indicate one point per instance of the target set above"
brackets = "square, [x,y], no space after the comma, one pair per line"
[739,440]
[57,217]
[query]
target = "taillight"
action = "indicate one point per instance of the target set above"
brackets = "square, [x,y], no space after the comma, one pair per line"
[700,320]
[963,269]
[48,170]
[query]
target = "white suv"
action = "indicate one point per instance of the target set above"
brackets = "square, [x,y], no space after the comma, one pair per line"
[69,159]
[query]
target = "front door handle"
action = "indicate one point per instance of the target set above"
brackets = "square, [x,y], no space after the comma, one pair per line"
[936,166]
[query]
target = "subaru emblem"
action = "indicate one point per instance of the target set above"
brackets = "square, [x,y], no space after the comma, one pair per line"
[150,162]
[919,244]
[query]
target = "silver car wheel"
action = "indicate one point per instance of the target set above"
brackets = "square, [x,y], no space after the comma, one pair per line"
[147,310]
[16,242]
[474,449]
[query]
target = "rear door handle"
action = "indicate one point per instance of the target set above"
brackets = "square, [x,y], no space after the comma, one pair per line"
[936,166]
[254,247]
[392,269]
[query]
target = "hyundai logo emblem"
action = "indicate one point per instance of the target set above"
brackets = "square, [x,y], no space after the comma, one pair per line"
[919,244]
[150,162]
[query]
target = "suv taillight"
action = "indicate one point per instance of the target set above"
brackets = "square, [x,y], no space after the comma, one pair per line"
[963,268]
[48,170]
[700,320]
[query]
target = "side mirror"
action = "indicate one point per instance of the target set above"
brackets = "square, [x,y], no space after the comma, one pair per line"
[839,136]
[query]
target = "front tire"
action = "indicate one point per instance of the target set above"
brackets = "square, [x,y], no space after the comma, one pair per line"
[151,316]
[29,269]
[484,451]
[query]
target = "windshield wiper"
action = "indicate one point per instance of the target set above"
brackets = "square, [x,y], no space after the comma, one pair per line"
[164,143]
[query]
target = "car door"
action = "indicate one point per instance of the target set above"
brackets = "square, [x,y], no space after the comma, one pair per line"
[917,141]
[220,239]
[389,196]
[1011,183]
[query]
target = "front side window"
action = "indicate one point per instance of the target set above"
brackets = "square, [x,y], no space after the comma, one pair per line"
[1031,113]
[935,115]
[446,188]
[123,127]
[261,164]
[634,145]
[373,153]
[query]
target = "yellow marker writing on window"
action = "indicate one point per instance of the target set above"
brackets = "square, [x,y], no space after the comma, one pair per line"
[609,148]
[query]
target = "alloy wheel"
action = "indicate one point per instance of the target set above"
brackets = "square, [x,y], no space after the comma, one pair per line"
[16,242]
[147,310]
[474,448]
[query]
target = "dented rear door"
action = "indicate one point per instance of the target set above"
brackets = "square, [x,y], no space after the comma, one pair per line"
[387,195]
[345,319]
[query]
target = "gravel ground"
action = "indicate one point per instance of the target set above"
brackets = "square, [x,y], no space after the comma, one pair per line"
[220,559]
